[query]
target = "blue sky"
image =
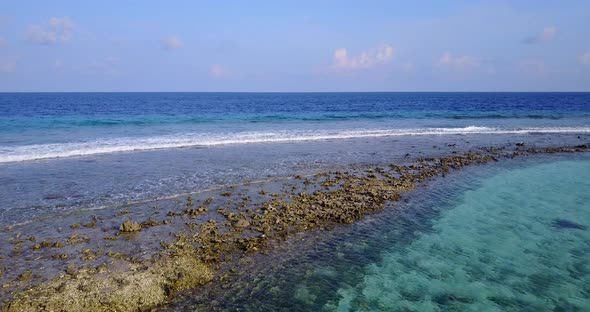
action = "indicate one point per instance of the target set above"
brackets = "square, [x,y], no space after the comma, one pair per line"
[294,46]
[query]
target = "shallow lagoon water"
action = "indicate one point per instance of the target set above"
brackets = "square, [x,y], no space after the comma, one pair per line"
[50,188]
[499,237]
[63,152]
[501,247]
[458,244]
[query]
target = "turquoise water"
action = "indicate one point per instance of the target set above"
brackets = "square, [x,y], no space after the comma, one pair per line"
[40,126]
[509,236]
[65,152]
[518,242]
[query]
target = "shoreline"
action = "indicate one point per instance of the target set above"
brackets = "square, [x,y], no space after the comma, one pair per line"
[229,227]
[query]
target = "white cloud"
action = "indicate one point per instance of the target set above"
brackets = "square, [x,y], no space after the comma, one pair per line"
[381,55]
[547,34]
[464,61]
[7,65]
[56,30]
[585,58]
[171,43]
[219,71]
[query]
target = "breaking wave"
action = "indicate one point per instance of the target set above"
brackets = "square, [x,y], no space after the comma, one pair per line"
[124,144]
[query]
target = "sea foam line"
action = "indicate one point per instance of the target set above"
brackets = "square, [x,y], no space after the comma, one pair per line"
[125,144]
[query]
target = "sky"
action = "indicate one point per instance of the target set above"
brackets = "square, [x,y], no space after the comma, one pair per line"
[294,46]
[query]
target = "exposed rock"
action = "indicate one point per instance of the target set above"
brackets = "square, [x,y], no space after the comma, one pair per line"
[193,212]
[92,223]
[242,223]
[136,290]
[25,276]
[129,226]
[122,212]
[72,270]
[191,258]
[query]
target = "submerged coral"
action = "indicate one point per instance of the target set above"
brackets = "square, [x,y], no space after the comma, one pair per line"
[213,236]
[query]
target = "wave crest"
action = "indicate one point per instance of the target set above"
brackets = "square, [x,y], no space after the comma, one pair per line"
[124,144]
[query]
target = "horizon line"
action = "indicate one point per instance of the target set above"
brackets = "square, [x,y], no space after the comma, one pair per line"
[559,91]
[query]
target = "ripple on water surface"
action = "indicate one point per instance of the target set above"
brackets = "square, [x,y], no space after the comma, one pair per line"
[519,241]
[503,237]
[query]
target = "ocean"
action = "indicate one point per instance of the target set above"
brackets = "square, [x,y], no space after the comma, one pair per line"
[509,235]
[501,237]
[65,151]
[59,125]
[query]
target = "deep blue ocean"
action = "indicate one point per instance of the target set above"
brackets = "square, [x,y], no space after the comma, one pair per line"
[69,151]
[51,125]
[512,235]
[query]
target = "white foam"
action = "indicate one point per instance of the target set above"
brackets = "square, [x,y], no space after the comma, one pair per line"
[124,144]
